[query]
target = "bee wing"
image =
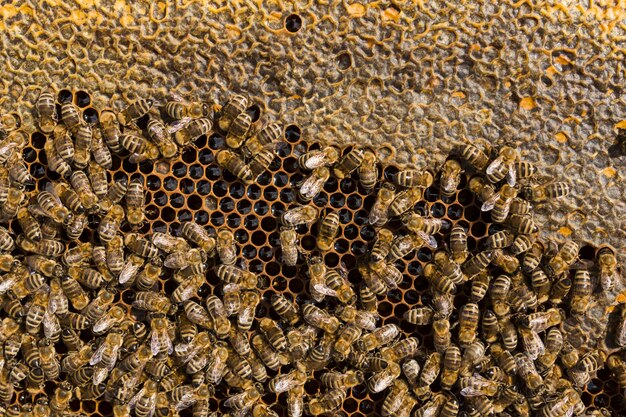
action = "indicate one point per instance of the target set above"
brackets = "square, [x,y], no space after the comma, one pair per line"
[97,355]
[186,401]
[511,175]
[607,279]
[490,203]
[51,325]
[429,240]
[177,97]
[136,397]
[177,125]
[493,166]
[471,392]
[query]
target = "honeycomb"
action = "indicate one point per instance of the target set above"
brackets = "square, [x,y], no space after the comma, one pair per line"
[545,75]
[193,187]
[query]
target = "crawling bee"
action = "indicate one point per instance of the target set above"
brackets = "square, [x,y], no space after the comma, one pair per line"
[379,213]
[327,232]
[158,133]
[179,109]
[477,158]
[319,158]
[547,192]
[225,245]
[500,203]
[563,259]
[289,245]
[185,131]
[267,136]
[348,163]
[368,171]
[411,178]
[232,162]
[607,263]
[236,105]
[313,184]
[46,111]
[299,215]
[134,111]
[450,177]
[503,166]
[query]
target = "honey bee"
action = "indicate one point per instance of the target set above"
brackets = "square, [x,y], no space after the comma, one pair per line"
[411,178]
[553,345]
[131,268]
[288,245]
[468,324]
[346,337]
[394,398]
[98,179]
[135,202]
[438,280]
[236,105]
[105,356]
[328,402]
[55,162]
[82,186]
[215,308]
[327,231]
[238,130]
[186,132]
[63,144]
[217,364]
[503,166]
[160,341]
[383,379]
[618,366]
[83,138]
[500,203]
[522,244]
[607,263]
[249,301]
[478,385]
[233,163]
[61,399]
[581,292]
[430,372]
[477,263]
[319,318]
[231,274]
[179,109]
[110,130]
[368,171]
[547,192]
[285,308]
[134,111]
[113,316]
[101,153]
[404,245]
[563,259]
[226,249]
[406,406]
[533,256]
[46,111]
[508,263]
[319,158]
[295,403]
[348,163]
[402,349]
[299,215]
[297,377]
[267,136]
[313,184]
[70,116]
[380,276]
[523,224]
[451,367]
[265,352]
[475,157]
[458,244]
[380,210]
[18,171]
[379,337]
[533,345]
[527,371]
[404,201]
[450,177]
[198,235]
[560,289]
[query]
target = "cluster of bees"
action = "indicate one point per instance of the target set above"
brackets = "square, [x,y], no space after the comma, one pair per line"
[500,353]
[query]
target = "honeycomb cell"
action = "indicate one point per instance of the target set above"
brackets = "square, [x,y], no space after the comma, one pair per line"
[217,219]
[220,188]
[478,229]
[177,200]
[65,96]
[213,172]
[290,165]
[205,157]
[354,202]
[37,140]
[438,210]
[201,217]
[455,212]
[268,224]
[472,213]
[251,222]
[170,183]
[233,220]
[217,142]
[91,116]
[288,196]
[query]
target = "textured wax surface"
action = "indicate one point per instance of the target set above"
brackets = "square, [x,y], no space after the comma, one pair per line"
[419,78]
